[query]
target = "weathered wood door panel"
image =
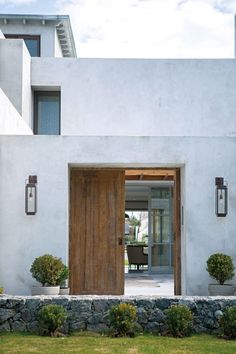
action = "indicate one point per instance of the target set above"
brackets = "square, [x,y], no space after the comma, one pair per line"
[96,250]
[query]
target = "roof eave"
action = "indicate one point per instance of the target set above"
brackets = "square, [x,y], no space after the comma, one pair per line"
[62,22]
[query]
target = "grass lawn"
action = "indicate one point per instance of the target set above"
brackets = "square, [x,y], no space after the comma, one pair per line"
[92,343]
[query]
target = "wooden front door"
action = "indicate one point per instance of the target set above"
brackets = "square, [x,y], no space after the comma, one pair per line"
[96,249]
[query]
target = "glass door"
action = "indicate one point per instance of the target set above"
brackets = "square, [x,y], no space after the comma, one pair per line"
[160,230]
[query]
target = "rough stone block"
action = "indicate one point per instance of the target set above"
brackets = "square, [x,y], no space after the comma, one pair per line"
[5,327]
[95,318]
[18,326]
[5,314]
[142,315]
[157,316]
[33,327]
[77,326]
[26,315]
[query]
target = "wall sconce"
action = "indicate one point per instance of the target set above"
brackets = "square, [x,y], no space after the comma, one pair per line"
[221,197]
[31,196]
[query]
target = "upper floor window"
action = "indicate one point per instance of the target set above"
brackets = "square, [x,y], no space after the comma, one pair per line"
[32,43]
[47,112]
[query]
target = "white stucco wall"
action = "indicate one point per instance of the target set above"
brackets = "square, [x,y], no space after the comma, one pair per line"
[10,120]
[11,70]
[48,157]
[27,102]
[58,51]
[179,113]
[15,76]
[142,97]
[46,33]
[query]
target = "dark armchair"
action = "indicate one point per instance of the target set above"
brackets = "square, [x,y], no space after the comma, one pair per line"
[137,256]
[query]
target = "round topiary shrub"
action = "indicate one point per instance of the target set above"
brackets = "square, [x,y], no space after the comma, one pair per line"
[228,322]
[123,318]
[220,267]
[51,318]
[48,270]
[179,320]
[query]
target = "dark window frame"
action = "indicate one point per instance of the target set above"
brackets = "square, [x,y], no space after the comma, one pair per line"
[37,94]
[26,36]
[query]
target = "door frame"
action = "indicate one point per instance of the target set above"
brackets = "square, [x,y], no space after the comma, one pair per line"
[177,232]
[177,209]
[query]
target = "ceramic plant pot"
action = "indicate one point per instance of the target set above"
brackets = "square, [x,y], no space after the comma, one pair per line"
[45,290]
[221,290]
[64,291]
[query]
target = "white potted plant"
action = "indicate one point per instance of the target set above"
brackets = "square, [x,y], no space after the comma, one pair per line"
[221,268]
[47,270]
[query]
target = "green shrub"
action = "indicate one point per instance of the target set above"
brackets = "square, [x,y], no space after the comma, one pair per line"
[228,322]
[47,270]
[179,320]
[123,318]
[64,276]
[51,318]
[220,267]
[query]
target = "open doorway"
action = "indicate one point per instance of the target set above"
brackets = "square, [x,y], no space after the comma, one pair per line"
[151,228]
[98,199]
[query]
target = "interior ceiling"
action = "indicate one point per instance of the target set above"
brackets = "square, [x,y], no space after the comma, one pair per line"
[150,174]
[139,182]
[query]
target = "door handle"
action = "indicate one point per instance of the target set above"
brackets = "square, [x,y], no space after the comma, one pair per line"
[120,241]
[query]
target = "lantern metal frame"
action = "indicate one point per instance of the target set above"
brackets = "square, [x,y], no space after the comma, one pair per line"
[31,196]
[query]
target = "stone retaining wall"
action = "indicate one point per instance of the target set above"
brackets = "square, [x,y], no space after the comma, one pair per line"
[19,313]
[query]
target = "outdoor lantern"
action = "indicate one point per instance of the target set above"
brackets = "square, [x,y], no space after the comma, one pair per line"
[221,197]
[31,196]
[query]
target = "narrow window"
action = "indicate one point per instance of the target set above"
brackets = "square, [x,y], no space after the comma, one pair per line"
[32,42]
[47,112]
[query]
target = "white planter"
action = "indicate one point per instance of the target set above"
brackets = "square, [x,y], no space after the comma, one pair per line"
[45,290]
[64,291]
[221,290]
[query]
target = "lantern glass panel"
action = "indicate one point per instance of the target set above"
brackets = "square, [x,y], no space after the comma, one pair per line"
[30,199]
[221,201]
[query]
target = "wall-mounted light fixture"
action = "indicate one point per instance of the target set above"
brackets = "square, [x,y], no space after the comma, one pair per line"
[221,197]
[31,196]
